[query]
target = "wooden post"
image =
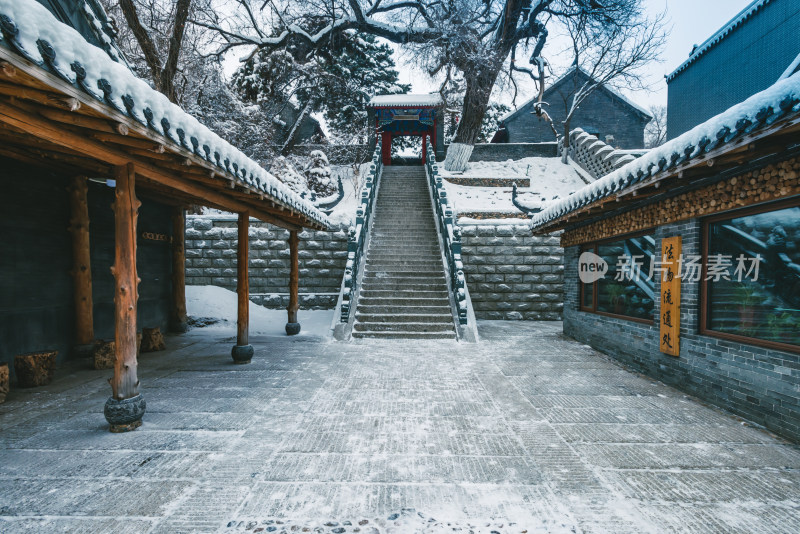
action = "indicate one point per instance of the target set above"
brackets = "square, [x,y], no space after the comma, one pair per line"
[81,264]
[178,311]
[242,352]
[424,149]
[125,408]
[293,326]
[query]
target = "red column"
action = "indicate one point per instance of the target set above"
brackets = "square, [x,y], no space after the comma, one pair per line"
[386,148]
[424,148]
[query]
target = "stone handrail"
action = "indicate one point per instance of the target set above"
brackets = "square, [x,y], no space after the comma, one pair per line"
[451,235]
[357,234]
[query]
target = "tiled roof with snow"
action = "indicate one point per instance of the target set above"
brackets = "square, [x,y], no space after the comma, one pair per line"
[406,100]
[30,30]
[762,109]
[720,34]
[563,77]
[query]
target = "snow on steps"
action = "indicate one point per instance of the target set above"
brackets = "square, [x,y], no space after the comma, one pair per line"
[404,290]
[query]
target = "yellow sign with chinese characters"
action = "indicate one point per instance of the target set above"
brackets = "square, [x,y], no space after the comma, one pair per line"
[669,334]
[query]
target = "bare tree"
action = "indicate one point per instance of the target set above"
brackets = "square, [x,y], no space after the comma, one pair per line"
[474,37]
[611,56]
[162,61]
[655,133]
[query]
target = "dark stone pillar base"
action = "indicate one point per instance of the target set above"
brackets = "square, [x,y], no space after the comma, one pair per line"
[292,329]
[125,415]
[242,353]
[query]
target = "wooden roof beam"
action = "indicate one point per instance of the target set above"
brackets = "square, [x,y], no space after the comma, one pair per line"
[100,151]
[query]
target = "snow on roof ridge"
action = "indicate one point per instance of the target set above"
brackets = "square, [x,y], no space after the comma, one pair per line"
[762,108]
[406,99]
[719,35]
[569,71]
[87,67]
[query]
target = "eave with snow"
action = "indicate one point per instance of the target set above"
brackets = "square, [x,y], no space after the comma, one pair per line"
[761,130]
[69,108]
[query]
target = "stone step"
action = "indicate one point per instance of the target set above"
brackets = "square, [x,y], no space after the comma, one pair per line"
[410,274]
[360,326]
[378,284]
[405,335]
[416,262]
[405,317]
[438,294]
[370,309]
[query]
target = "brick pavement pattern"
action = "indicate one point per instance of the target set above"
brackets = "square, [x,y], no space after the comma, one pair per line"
[526,431]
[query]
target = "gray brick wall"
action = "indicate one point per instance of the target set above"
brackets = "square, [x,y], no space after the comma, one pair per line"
[211,260]
[511,274]
[504,151]
[602,111]
[756,383]
[747,60]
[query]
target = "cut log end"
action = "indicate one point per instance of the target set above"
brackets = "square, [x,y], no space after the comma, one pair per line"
[35,368]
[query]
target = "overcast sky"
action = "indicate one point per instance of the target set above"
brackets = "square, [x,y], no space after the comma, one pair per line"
[692,22]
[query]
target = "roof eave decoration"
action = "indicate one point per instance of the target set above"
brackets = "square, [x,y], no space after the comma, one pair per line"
[744,122]
[30,31]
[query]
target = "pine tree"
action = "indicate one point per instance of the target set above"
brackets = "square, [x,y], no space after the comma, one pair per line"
[337,81]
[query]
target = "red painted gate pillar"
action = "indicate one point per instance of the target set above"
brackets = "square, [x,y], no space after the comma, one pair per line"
[386,148]
[424,148]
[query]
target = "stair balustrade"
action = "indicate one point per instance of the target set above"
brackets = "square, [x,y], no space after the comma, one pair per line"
[451,235]
[357,235]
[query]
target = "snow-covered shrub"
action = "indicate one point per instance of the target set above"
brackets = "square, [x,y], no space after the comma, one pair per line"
[318,174]
[284,171]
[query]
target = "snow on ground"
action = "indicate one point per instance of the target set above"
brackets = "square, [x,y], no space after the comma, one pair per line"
[550,180]
[345,212]
[212,302]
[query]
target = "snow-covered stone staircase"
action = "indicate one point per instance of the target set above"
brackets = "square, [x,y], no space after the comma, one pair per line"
[404,292]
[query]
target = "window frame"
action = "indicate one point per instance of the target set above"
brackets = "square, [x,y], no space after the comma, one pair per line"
[703,301]
[592,247]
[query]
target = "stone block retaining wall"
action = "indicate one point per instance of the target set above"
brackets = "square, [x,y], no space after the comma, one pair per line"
[211,260]
[512,274]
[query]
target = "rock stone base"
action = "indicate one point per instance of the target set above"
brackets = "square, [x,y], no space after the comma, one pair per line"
[152,340]
[35,369]
[4,381]
[292,329]
[125,415]
[242,353]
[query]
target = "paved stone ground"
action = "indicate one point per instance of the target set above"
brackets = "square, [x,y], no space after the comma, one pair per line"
[525,432]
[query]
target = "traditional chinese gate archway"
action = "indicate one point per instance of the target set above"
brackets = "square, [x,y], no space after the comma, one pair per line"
[407,115]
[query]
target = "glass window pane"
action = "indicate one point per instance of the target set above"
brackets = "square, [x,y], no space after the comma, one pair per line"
[631,291]
[587,294]
[763,304]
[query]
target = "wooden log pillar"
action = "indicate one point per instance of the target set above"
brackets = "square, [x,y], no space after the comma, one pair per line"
[178,317]
[242,352]
[125,408]
[293,326]
[81,265]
